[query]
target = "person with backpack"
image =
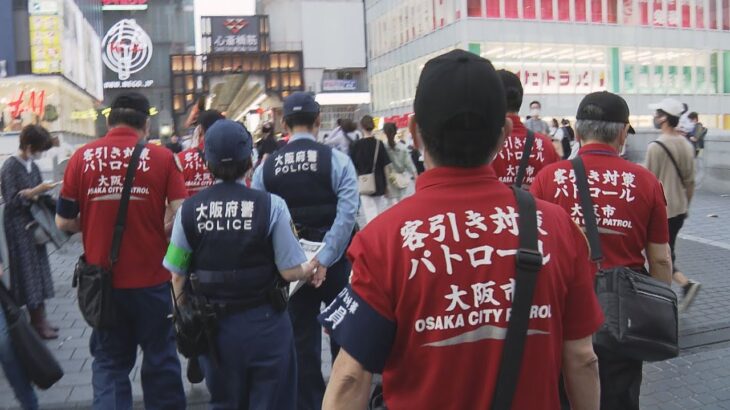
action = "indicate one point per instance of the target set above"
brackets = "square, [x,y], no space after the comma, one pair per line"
[671,158]
[343,136]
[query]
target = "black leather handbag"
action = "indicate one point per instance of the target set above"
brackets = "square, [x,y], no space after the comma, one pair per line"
[641,317]
[94,282]
[34,356]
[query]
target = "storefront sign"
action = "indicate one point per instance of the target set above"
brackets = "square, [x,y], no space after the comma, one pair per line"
[45,43]
[119,5]
[339,85]
[235,34]
[126,50]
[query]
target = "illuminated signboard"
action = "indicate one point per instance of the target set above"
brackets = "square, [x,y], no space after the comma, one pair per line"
[235,34]
[123,5]
[126,50]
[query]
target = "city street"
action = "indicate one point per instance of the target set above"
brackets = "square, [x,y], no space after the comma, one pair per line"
[695,380]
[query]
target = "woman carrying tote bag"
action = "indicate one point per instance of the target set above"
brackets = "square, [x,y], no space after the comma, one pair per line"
[370,159]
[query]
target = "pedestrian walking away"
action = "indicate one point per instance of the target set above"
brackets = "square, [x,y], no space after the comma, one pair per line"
[371,159]
[436,333]
[195,172]
[631,210]
[671,158]
[22,188]
[319,186]
[508,164]
[235,245]
[88,203]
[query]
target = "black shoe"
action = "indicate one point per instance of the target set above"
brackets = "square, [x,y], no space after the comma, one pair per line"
[689,291]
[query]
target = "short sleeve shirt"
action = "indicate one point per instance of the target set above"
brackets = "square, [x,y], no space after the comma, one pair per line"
[94,179]
[432,286]
[195,171]
[507,162]
[628,202]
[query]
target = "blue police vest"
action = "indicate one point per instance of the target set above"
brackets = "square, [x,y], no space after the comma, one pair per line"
[227,226]
[301,173]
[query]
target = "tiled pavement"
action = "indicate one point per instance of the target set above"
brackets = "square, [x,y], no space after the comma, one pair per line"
[699,378]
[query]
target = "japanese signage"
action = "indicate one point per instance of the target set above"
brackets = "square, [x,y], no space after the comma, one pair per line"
[45,43]
[561,80]
[117,5]
[220,216]
[293,162]
[339,85]
[235,34]
[127,50]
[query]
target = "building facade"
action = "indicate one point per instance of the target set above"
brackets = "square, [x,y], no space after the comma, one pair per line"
[331,36]
[50,69]
[139,37]
[644,50]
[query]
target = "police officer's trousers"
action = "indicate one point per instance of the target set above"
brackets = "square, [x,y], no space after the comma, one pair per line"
[142,320]
[304,307]
[257,366]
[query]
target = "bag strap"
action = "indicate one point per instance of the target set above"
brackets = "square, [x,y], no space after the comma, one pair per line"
[529,262]
[674,161]
[524,161]
[124,204]
[375,157]
[586,204]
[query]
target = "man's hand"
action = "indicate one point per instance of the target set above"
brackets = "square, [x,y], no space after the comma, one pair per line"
[320,273]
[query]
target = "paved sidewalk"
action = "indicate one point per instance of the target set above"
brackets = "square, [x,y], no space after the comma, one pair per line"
[699,378]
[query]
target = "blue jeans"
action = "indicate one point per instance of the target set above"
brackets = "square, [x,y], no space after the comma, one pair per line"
[142,320]
[13,371]
[304,307]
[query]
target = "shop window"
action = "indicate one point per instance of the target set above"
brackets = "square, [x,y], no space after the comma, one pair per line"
[474,8]
[528,9]
[510,9]
[493,8]
[713,15]
[580,10]
[546,9]
[700,14]
[597,11]
[726,14]
[564,10]
[612,11]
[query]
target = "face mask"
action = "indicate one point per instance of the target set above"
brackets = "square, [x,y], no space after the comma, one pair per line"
[535,112]
[658,123]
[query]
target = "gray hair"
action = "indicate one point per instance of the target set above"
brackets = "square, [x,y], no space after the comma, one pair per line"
[602,131]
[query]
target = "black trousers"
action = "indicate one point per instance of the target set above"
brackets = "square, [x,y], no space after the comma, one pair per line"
[620,380]
[675,224]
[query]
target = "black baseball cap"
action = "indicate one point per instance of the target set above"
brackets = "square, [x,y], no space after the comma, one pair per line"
[132,101]
[227,141]
[604,106]
[300,102]
[458,83]
[208,117]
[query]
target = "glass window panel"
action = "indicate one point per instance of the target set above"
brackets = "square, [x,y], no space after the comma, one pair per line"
[493,8]
[528,9]
[597,11]
[612,11]
[580,10]
[564,10]
[474,8]
[713,15]
[672,15]
[685,5]
[546,9]
[510,9]
[726,14]
[700,14]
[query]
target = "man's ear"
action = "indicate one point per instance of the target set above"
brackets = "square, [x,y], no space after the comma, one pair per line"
[415,133]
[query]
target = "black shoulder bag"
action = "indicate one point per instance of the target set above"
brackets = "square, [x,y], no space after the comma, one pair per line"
[94,282]
[525,160]
[34,356]
[641,319]
[529,263]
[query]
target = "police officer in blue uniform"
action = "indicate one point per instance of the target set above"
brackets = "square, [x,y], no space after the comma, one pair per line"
[320,187]
[232,243]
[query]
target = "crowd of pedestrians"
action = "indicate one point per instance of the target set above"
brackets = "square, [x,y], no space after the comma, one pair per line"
[476,289]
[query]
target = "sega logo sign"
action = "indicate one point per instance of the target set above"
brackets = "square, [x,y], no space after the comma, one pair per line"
[119,5]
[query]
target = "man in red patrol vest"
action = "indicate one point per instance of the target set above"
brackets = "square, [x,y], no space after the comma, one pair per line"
[433,277]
